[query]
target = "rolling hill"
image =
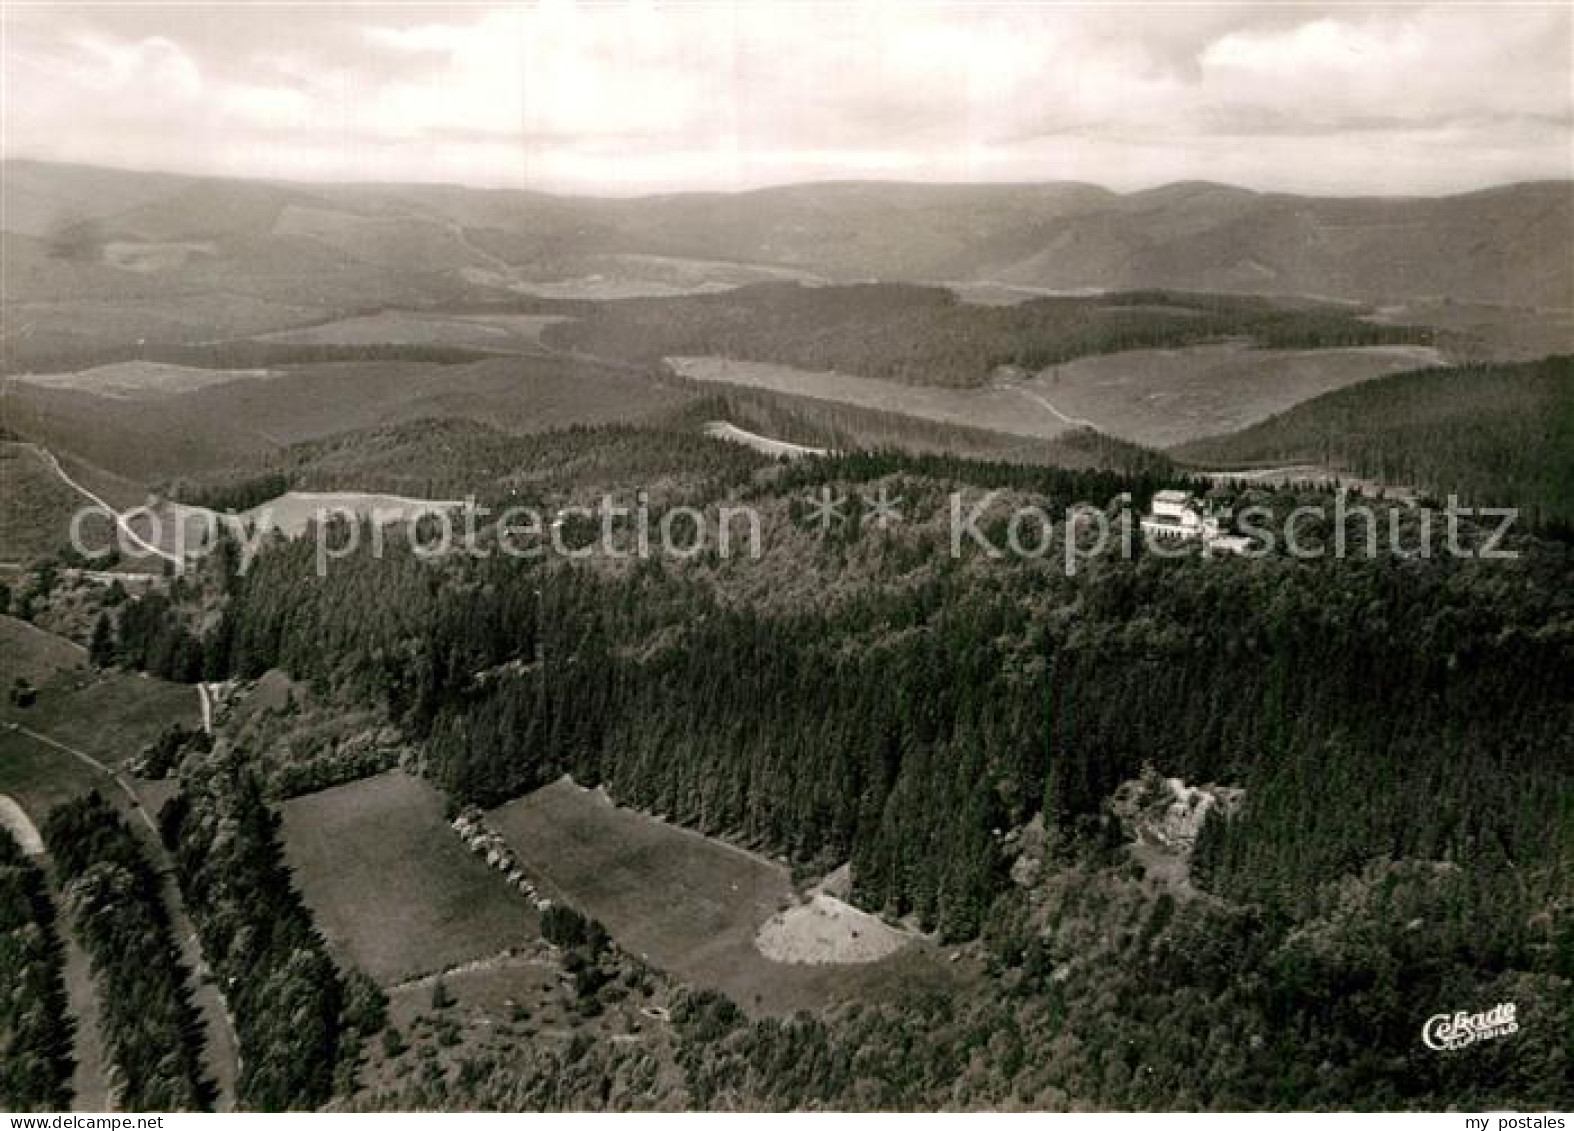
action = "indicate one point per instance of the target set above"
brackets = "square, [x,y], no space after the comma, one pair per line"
[240,422]
[269,255]
[1500,435]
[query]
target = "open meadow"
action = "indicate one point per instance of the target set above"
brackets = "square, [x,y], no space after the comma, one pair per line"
[1152,397]
[391,885]
[130,380]
[108,715]
[688,904]
[1164,397]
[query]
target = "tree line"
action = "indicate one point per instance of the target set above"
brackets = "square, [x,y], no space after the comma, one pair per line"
[299,1020]
[35,1031]
[147,1018]
[927,336]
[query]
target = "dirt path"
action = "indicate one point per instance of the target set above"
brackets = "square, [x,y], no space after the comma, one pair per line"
[125,527]
[1043,402]
[89,1078]
[223,1047]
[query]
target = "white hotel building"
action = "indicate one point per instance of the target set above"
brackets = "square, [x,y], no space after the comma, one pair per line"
[1178,516]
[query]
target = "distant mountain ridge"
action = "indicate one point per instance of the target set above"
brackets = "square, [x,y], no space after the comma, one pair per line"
[73,231]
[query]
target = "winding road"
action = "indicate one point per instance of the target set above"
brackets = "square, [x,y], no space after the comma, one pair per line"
[125,527]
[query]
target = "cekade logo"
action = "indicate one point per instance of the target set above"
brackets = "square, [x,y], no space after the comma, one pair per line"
[1445,1032]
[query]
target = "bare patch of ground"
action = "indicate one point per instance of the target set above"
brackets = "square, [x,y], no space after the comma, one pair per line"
[722,430]
[15,819]
[497,332]
[1163,817]
[148,256]
[290,514]
[825,931]
[1315,474]
[611,277]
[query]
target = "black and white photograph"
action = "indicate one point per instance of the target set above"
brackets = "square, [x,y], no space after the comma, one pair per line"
[671,557]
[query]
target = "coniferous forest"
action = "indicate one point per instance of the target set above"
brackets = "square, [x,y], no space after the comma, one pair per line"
[33,1033]
[149,1023]
[732,557]
[1399,729]
[1387,735]
[296,1021]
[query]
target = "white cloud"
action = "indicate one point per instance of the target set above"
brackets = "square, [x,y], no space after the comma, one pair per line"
[635,96]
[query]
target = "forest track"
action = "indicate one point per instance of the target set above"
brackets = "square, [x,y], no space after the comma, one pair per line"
[221,1041]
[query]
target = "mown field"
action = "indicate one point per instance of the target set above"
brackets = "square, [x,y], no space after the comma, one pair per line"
[686,903]
[603,278]
[242,423]
[392,887]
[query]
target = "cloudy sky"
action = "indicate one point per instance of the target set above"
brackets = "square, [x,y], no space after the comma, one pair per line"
[624,98]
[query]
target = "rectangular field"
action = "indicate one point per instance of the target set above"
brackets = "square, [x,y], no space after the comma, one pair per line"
[688,904]
[391,885]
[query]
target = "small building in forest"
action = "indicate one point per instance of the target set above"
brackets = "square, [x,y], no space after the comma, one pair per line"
[1179,516]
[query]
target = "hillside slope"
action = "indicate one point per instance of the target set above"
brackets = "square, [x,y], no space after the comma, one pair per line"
[1504,245]
[1490,434]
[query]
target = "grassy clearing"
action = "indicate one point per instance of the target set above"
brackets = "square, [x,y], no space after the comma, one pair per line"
[604,278]
[109,715]
[721,430]
[1164,397]
[15,821]
[390,884]
[686,903]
